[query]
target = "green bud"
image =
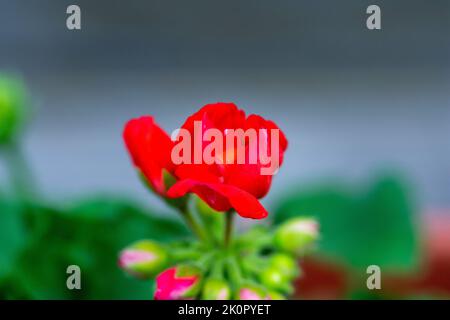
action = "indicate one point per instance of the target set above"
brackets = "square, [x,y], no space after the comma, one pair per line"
[216,289]
[144,259]
[12,108]
[274,278]
[297,235]
[286,264]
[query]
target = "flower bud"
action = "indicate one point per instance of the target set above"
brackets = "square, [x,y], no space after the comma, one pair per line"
[286,264]
[251,292]
[216,289]
[274,278]
[12,108]
[297,235]
[144,259]
[178,283]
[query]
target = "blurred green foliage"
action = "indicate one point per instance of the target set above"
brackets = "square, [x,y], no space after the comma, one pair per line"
[360,227]
[38,243]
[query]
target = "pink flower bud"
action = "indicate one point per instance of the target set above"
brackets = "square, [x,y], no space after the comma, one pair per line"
[144,259]
[178,283]
[252,292]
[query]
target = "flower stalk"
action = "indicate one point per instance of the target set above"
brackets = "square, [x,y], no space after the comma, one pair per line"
[228,228]
[198,231]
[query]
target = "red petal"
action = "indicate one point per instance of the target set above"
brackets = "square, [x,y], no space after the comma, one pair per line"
[248,177]
[199,172]
[150,149]
[257,122]
[219,115]
[221,197]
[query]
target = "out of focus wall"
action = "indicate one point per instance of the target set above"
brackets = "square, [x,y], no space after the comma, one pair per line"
[351,101]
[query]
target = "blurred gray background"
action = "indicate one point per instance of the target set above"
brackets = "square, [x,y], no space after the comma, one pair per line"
[351,101]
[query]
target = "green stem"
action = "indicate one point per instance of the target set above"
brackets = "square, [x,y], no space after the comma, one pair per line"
[193,225]
[206,224]
[228,228]
[206,260]
[234,271]
[217,269]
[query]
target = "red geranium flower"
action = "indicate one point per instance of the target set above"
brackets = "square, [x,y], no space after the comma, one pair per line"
[223,185]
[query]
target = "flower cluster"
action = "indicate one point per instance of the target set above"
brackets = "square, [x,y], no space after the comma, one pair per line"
[258,264]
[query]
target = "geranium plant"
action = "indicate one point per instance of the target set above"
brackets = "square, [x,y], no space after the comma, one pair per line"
[218,164]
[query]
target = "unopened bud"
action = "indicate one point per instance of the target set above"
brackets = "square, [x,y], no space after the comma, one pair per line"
[297,235]
[286,264]
[216,289]
[252,292]
[144,259]
[274,278]
[178,283]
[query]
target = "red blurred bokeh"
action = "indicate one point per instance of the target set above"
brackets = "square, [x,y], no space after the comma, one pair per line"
[324,279]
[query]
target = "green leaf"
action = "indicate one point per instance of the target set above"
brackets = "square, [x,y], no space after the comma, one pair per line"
[89,235]
[360,228]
